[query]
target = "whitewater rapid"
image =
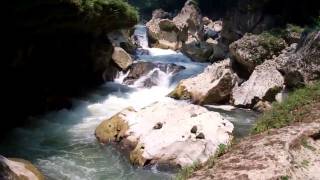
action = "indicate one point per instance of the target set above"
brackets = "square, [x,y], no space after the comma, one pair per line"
[62,143]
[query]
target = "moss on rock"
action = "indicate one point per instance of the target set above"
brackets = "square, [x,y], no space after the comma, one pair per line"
[136,157]
[113,129]
[180,93]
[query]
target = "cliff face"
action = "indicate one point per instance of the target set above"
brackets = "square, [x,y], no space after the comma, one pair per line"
[56,49]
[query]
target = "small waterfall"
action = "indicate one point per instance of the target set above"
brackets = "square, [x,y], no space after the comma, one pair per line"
[141,36]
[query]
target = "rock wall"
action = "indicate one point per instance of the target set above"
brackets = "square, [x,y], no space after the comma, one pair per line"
[54,50]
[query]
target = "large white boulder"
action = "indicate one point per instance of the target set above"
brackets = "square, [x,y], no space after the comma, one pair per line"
[169,132]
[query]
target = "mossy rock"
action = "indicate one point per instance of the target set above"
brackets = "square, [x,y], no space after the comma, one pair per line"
[180,93]
[136,157]
[113,129]
[167,25]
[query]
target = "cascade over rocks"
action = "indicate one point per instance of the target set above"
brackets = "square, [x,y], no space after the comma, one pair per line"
[139,132]
[291,151]
[18,169]
[139,69]
[214,85]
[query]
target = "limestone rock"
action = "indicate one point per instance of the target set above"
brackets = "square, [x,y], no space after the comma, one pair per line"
[172,33]
[303,66]
[167,145]
[214,85]
[291,152]
[264,83]
[163,33]
[121,58]
[252,50]
[18,169]
[199,51]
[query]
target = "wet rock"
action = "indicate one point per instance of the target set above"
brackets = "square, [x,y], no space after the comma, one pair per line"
[121,58]
[140,69]
[214,85]
[18,169]
[167,145]
[194,129]
[252,50]
[114,129]
[287,152]
[200,136]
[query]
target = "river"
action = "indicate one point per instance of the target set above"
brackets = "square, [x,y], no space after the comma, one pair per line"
[62,143]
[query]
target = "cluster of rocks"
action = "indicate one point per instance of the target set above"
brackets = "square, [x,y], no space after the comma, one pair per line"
[196,36]
[271,66]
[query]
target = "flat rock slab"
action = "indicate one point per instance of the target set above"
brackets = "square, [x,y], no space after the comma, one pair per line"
[164,132]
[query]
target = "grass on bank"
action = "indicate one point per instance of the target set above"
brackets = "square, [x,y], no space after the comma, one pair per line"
[294,109]
[186,172]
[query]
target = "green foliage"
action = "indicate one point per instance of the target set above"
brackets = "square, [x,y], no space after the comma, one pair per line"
[270,42]
[116,12]
[295,108]
[76,15]
[305,144]
[186,172]
[284,177]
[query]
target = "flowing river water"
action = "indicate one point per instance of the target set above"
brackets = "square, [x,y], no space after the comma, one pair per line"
[62,143]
